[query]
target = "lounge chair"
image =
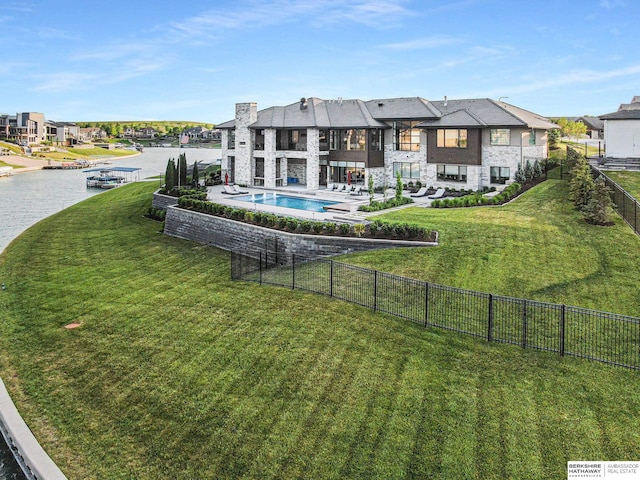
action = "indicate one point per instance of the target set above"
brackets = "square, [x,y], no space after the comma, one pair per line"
[330,186]
[237,189]
[356,191]
[228,189]
[439,194]
[420,193]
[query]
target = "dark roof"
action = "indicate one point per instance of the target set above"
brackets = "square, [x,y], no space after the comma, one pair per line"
[622,115]
[315,112]
[484,112]
[593,123]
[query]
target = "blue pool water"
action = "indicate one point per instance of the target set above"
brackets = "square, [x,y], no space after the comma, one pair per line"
[288,201]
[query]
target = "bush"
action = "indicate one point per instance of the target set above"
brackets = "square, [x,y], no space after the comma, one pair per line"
[292,224]
[330,227]
[359,229]
[345,228]
[305,226]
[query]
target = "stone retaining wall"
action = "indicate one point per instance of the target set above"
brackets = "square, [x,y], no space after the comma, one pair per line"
[237,236]
[163,201]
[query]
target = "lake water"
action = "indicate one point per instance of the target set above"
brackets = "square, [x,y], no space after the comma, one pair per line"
[26,198]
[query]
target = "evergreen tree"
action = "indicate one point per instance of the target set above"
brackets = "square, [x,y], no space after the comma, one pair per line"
[195,176]
[371,189]
[581,185]
[599,209]
[520,176]
[182,170]
[398,187]
[170,175]
[528,171]
[537,169]
[554,138]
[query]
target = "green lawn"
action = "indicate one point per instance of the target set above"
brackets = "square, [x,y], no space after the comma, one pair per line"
[630,181]
[177,372]
[536,247]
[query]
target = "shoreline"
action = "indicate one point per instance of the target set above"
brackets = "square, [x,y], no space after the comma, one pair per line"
[22,164]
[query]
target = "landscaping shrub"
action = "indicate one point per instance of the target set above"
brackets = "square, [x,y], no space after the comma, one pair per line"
[359,229]
[345,228]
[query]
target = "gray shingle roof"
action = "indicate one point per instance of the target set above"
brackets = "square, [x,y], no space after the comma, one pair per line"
[373,114]
[622,115]
[594,123]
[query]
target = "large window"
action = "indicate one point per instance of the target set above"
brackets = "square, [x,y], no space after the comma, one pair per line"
[452,138]
[532,137]
[452,173]
[500,136]
[406,136]
[406,169]
[375,139]
[345,172]
[349,139]
[231,140]
[500,175]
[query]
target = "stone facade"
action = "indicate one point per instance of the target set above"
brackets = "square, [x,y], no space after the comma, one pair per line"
[237,236]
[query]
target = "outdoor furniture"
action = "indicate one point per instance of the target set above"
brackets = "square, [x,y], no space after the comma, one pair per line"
[237,189]
[439,194]
[228,189]
[356,191]
[420,193]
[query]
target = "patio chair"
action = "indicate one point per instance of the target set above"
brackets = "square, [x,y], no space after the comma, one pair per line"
[237,189]
[439,194]
[420,193]
[356,191]
[229,190]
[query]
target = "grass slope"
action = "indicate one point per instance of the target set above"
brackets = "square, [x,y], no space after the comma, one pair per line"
[177,372]
[537,247]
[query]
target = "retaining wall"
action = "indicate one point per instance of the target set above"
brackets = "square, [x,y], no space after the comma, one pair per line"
[31,457]
[237,236]
[161,201]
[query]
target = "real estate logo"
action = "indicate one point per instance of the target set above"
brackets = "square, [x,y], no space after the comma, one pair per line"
[609,470]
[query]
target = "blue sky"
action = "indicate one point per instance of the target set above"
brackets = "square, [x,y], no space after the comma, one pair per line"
[193,60]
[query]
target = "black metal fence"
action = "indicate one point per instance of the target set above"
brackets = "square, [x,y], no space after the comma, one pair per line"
[579,332]
[626,205]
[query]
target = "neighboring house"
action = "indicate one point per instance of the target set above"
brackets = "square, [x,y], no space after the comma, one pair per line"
[63,133]
[469,144]
[91,133]
[195,133]
[622,131]
[24,128]
[146,132]
[595,126]
[214,135]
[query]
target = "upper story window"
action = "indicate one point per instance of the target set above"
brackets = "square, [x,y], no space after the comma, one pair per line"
[291,140]
[406,136]
[323,140]
[348,139]
[452,138]
[500,136]
[231,141]
[532,137]
[259,141]
[376,139]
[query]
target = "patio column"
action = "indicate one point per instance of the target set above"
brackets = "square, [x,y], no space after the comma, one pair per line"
[270,158]
[313,159]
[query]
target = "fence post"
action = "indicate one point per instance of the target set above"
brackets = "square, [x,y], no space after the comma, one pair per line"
[635,216]
[426,304]
[260,268]
[490,323]
[562,327]
[524,324]
[293,271]
[375,290]
[331,279]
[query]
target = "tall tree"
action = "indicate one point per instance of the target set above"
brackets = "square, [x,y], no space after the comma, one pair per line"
[581,185]
[195,176]
[182,170]
[599,208]
[170,175]
[399,186]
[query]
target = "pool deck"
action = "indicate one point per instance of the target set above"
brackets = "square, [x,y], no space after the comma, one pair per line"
[345,211]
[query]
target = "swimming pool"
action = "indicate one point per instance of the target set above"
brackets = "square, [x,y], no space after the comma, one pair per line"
[288,201]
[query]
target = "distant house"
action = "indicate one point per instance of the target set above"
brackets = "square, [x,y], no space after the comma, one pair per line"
[595,126]
[91,134]
[622,131]
[468,143]
[146,132]
[63,133]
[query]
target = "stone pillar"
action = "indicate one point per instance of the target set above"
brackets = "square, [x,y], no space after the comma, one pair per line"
[270,158]
[246,114]
[313,159]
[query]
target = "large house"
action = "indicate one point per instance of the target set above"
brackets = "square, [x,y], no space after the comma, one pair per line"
[622,131]
[471,143]
[24,128]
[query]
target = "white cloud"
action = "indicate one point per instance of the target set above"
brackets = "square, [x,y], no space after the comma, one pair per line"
[423,43]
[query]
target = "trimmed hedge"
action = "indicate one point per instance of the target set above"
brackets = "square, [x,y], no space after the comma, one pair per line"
[477,198]
[376,229]
[374,206]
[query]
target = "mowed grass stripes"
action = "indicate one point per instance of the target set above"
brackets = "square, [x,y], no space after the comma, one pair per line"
[177,372]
